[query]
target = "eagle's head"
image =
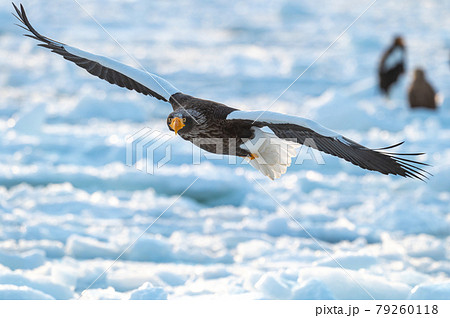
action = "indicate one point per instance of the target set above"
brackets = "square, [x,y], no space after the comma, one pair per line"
[180,121]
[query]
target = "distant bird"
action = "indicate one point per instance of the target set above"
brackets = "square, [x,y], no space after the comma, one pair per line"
[421,93]
[392,65]
[267,139]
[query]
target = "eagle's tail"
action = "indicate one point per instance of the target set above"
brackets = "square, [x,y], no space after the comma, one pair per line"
[270,155]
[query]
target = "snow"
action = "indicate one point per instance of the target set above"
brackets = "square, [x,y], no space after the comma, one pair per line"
[312,289]
[431,291]
[272,286]
[39,283]
[69,204]
[350,284]
[13,292]
[148,292]
[27,260]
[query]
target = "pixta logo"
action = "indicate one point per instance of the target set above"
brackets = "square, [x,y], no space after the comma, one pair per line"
[142,149]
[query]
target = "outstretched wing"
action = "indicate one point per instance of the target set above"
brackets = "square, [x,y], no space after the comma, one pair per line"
[310,133]
[110,70]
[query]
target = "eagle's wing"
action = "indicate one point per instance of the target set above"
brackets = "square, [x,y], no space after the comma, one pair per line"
[393,58]
[309,133]
[110,70]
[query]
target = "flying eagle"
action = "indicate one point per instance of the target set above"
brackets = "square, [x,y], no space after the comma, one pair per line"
[267,139]
[392,65]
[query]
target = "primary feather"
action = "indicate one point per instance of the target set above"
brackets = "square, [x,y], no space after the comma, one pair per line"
[105,68]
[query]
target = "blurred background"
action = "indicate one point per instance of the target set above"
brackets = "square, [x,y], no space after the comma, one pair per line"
[69,205]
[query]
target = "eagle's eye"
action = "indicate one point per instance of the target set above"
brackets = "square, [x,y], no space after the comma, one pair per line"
[184,120]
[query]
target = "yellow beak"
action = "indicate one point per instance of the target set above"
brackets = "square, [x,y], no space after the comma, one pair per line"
[176,124]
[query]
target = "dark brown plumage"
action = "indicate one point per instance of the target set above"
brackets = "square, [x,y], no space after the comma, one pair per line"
[392,65]
[421,93]
[94,68]
[220,129]
[207,126]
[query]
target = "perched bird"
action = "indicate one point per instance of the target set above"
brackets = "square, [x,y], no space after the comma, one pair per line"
[267,139]
[392,65]
[421,93]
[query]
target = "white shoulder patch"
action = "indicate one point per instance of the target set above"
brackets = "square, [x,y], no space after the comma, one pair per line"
[152,81]
[278,118]
[394,58]
[267,130]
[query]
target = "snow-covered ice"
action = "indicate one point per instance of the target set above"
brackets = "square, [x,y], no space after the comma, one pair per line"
[69,205]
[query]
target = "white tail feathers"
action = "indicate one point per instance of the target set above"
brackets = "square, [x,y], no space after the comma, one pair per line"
[272,154]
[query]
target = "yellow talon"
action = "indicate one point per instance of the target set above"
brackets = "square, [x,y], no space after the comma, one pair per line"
[253,156]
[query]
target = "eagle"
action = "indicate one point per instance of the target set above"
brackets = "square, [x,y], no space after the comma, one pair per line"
[268,140]
[421,93]
[392,65]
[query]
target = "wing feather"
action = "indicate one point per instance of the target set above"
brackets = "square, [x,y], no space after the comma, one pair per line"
[309,133]
[110,70]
